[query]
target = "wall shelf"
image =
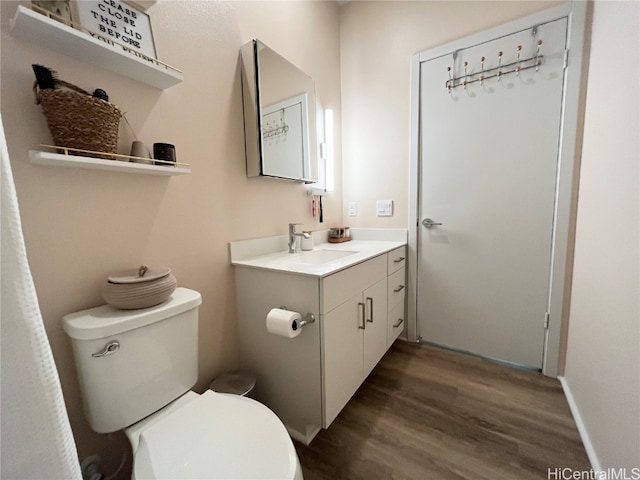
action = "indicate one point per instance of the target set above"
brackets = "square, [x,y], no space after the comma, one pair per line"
[60,160]
[28,25]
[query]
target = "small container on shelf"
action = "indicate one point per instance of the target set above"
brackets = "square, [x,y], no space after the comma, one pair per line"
[339,234]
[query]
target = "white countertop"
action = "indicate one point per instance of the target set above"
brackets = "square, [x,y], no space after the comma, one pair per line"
[296,263]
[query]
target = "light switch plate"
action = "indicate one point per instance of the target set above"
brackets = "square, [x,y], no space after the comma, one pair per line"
[353,209]
[384,208]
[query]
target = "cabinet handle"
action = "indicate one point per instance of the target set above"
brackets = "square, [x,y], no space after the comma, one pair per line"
[399,289]
[370,300]
[361,327]
[398,323]
[398,260]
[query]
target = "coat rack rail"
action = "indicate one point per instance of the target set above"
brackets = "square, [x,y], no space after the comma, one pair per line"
[519,65]
[465,80]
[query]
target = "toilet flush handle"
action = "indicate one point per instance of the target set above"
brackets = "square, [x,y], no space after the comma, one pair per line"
[109,348]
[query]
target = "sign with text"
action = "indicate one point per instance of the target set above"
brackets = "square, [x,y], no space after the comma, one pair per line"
[117,21]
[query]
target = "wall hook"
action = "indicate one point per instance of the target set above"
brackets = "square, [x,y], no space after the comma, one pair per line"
[538,62]
[464,83]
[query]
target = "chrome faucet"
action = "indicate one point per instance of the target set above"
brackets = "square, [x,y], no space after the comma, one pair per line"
[293,235]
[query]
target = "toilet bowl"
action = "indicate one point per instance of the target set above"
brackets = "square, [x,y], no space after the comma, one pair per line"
[136,369]
[214,436]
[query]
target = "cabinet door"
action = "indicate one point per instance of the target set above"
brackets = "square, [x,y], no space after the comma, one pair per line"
[343,356]
[375,333]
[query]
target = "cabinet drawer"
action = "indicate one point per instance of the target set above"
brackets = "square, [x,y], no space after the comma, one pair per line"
[396,259]
[395,323]
[396,288]
[340,287]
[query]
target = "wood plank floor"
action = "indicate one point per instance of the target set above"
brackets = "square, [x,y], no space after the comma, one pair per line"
[427,413]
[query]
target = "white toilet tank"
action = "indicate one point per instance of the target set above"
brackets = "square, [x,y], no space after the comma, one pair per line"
[149,358]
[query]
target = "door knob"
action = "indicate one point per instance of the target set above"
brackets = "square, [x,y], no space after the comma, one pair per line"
[428,223]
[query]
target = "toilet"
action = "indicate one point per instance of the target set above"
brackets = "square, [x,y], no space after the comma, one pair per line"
[136,369]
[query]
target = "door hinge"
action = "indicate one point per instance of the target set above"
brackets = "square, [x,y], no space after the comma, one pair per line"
[546,320]
[566,59]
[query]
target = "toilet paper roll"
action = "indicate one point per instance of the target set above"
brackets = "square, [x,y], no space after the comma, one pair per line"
[283,323]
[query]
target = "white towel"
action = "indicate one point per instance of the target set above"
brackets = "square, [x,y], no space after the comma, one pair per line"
[36,437]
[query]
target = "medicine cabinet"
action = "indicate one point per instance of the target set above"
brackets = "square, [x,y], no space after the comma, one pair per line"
[279,116]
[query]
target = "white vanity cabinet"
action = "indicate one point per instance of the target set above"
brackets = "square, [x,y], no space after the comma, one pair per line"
[354,331]
[308,379]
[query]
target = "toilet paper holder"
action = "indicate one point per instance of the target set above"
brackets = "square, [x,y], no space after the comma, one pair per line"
[306,319]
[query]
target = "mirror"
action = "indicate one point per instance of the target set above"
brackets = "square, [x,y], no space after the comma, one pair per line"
[279,116]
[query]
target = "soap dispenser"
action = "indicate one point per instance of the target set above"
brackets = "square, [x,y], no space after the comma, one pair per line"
[306,244]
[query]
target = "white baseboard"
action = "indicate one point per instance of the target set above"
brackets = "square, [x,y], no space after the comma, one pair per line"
[582,429]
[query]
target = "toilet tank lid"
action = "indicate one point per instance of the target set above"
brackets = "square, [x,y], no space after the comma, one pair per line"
[104,321]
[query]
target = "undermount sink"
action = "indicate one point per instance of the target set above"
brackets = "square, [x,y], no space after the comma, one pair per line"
[318,257]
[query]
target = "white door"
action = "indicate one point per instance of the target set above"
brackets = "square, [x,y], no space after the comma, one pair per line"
[488,173]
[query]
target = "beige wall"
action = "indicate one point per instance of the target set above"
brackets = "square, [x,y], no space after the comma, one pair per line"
[81,225]
[603,359]
[377,40]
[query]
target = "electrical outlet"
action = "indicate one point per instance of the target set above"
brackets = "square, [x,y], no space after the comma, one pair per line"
[384,208]
[353,209]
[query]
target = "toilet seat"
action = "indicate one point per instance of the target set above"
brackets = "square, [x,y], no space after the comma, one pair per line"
[217,436]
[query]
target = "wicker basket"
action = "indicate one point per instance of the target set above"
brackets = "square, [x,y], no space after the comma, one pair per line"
[77,119]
